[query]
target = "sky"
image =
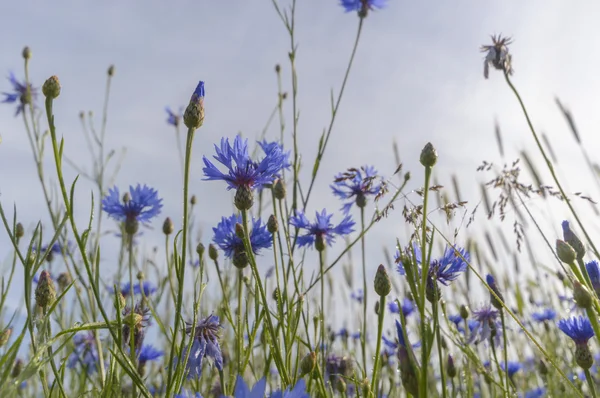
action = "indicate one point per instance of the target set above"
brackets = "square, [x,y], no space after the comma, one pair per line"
[417,78]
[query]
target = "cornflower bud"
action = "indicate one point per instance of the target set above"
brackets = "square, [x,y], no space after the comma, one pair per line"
[272,225]
[19,231]
[497,299]
[582,295]
[213,253]
[200,249]
[45,292]
[572,239]
[111,70]
[26,52]
[64,280]
[193,200]
[565,252]
[193,117]
[308,363]
[451,367]
[168,226]
[383,284]
[4,336]
[464,311]
[16,371]
[279,189]
[428,155]
[51,87]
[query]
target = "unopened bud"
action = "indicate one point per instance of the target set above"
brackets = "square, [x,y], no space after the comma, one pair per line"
[140,276]
[64,280]
[279,189]
[383,284]
[45,292]
[200,249]
[572,239]
[19,231]
[4,336]
[51,87]
[429,155]
[193,117]
[542,367]
[244,198]
[496,299]
[464,311]
[193,200]
[111,70]
[582,295]
[126,197]
[308,363]
[26,52]
[451,367]
[565,252]
[272,224]
[340,385]
[168,226]
[16,371]
[213,253]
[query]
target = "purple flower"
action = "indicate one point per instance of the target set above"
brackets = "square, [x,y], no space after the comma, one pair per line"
[241,170]
[547,314]
[408,307]
[593,271]
[85,352]
[356,185]
[147,287]
[24,93]
[269,147]
[487,319]
[299,391]
[443,270]
[243,391]
[513,367]
[360,5]
[174,118]
[149,353]
[322,230]
[206,335]
[578,328]
[142,206]
[358,295]
[226,238]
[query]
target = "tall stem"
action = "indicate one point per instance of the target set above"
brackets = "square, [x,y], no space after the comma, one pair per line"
[363,332]
[424,272]
[381,315]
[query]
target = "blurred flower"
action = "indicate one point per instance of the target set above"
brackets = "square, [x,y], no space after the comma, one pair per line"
[322,230]
[357,184]
[245,172]
[269,147]
[85,353]
[358,295]
[593,271]
[450,266]
[243,391]
[399,341]
[513,367]
[138,320]
[142,206]
[174,119]
[547,314]
[25,94]
[539,392]
[360,5]
[299,391]
[487,320]
[149,353]
[415,255]
[226,238]
[497,55]
[147,287]
[206,334]
[408,307]
[578,328]
[188,394]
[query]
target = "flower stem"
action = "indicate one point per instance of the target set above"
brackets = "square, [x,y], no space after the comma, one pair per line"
[424,272]
[436,317]
[590,381]
[376,366]
[363,334]
[505,351]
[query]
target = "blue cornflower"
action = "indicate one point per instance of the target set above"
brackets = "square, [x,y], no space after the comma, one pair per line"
[408,307]
[147,287]
[362,5]
[268,147]
[487,319]
[206,335]
[241,170]
[358,295]
[174,118]
[539,392]
[343,334]
[456,319]
[357,184]
[149,353]
[299,391]
[513,367]
[85,353]
[243,391]
[547,314]
[399,342]
[415,255]
[322,230]
[188,394]
[593,270]
[233,246]
[578,328]
[26,94]
[450,266]
[142,205]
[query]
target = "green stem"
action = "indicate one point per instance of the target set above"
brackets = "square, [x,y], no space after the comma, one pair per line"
[424,272]
[238,321]
[363,334]
[505,351]
[436,317]
[590,381]
[181,266]
[322,317]
[130,316]
[381,316]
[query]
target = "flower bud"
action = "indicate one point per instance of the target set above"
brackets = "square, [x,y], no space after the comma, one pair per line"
[26,52]
[583,356]
[428,155]
[450,367]
[193,200]
[193,117]
[16,371]
[45,293]
[244,198]
[340,385]
[64,280]
[582,295]
[308,363]
[168,226]
[464,311]
[200,249]
[51,87]
[4,336]
[497,299]
[213,253]
[140,276]
[383,284]
[565,252]
[19,231]
[240,259]
[272,225]
[572,239]
[279,189]
[277,68]
[542,367]
[111,71]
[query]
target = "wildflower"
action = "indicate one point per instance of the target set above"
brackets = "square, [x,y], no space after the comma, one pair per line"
[188,394]
[497,55]
[206,334]
[429,155]
[382,283]
[408,373]
[268,147]
[146,287]
[85,353]
[243,391]
[407,256]
[497,298]
[138,320]
[338,367]
[408,307]
[487,321]
[572,239]
[51,87]
[362,6]
[565,252]
[547,314]
[233,246]
[26,94]
[149,353]
[357,184]
[193,117]
[539,392]
[299,391]
[244,174]
[174,119]
[580,330]
[55,249]
[142,206]
[5,335]
[308,363]
[593,271]
[322,230]
[358,295]
[513,367]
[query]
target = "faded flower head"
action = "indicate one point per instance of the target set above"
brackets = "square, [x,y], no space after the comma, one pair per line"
[142,205]
[362,6]
[356,185]
[206,335]
[488,321]
[233,246]
[321,231]
[25,94]
[136,320]
[174,119]
[497,55]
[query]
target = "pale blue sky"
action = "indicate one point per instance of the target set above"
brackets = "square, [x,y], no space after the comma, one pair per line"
[418,77]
